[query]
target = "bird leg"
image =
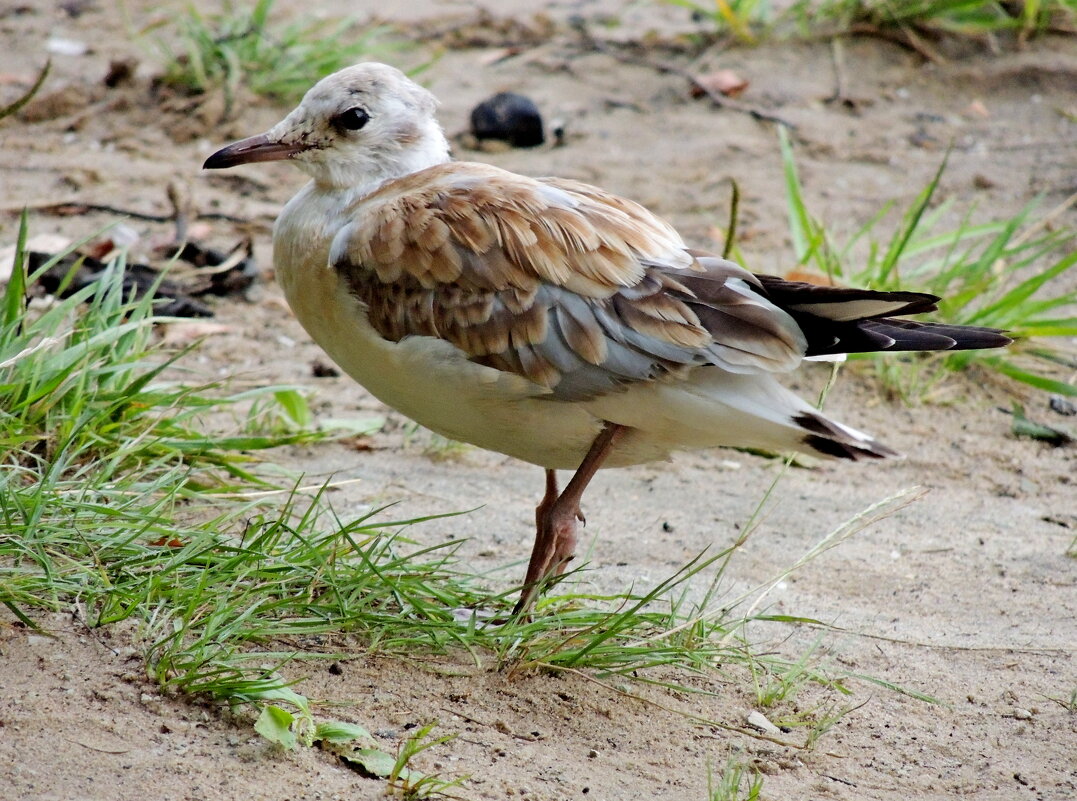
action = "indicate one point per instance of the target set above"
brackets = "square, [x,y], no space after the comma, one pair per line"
[543,509]
[556,517]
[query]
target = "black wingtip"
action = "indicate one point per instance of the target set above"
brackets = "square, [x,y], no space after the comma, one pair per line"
[830,439]
[843,450]
[981,338]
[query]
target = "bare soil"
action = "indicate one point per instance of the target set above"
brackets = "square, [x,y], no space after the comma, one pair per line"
[966,595]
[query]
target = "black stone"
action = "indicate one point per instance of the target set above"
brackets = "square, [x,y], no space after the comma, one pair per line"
[508,117]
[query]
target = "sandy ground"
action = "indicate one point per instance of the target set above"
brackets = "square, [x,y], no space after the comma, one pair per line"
[966,595]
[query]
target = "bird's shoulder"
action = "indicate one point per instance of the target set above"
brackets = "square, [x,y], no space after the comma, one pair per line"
[477,225]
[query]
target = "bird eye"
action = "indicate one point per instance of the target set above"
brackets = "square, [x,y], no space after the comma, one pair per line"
[353,119]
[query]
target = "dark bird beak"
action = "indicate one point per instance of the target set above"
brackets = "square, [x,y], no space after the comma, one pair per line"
[248,151]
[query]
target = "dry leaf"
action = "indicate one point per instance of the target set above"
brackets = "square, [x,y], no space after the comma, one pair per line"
[99,249]
[361,444]
[160,542]
[724,82]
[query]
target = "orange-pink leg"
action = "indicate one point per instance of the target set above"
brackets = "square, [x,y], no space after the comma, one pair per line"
[556,519]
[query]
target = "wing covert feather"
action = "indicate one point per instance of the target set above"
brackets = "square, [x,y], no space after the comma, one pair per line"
[577,290]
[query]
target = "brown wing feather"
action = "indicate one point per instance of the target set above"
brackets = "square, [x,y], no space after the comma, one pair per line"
[552,280]
[425,224]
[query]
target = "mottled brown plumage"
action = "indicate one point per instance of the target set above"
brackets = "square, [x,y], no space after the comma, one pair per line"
[550,280]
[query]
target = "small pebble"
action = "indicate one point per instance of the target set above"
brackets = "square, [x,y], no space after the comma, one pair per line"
[59,46]
[759,721]
[120,71]
[1060,405]
[320,369]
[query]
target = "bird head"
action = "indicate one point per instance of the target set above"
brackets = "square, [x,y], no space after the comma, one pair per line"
[357,128]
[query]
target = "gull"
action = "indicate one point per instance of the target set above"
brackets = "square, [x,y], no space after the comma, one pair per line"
[544,318]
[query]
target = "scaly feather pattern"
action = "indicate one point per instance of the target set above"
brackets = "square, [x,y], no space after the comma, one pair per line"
[570,287]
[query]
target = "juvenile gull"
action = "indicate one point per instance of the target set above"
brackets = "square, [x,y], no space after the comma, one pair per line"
[544,318]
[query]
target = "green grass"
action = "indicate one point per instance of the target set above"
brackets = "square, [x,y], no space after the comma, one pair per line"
[954,17]
[751,20]
[130,496]
[1010,273]
[775,686]
[16,105]
[241,46]
[736,782]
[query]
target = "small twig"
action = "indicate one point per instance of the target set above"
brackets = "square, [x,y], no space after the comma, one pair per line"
[838,779]
[100,750]
[716,97]
[941,646]
[312,488]
[70,208]
[837,58]
[525,737]
[228,38]
[180,198]
[1044,221]
[909,40]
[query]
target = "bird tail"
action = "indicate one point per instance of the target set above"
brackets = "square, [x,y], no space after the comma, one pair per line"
[826,437]
[716,408]
[845,320]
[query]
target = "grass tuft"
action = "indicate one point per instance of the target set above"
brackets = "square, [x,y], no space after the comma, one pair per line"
[907,21]
[970,18]
[241,47]
[736,782]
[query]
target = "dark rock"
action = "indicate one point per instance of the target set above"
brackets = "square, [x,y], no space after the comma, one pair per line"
[1060,405]
[508,117]
[320,369]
